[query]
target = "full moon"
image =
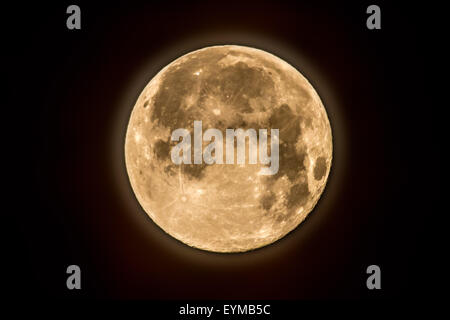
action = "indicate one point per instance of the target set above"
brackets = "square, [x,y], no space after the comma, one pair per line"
[228,207]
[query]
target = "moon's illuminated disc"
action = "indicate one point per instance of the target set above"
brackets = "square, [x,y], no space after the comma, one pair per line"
[228,207]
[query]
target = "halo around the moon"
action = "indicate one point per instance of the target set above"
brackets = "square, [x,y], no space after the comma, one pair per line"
[228,207]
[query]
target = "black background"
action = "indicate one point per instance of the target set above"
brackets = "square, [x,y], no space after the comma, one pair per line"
[64,86]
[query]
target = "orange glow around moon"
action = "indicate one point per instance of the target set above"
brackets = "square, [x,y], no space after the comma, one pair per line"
[228,208]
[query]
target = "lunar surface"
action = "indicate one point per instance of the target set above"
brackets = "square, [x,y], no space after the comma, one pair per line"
[228,207]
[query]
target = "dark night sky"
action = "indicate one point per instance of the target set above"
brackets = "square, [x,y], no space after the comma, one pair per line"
[67,88]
